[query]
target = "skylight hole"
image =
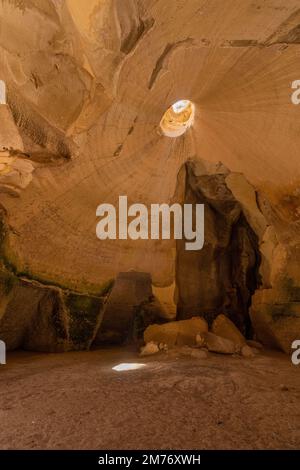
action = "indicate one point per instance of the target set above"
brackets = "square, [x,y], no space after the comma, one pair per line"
[178,118]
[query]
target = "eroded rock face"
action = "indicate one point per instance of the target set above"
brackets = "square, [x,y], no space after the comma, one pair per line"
[87,86]
[9,134]
[225,273]
[43,318]
[276,321]
[90,84]
[130,293]
[15,173]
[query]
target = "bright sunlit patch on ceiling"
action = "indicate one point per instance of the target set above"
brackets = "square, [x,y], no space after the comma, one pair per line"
[2,92]
[180,106]
[178,118]
[128,366]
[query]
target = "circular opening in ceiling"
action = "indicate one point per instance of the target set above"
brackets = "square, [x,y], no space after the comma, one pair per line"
[178,118]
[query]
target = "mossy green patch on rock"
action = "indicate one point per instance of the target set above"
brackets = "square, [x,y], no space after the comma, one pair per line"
[291,290]
[11,265]
[7,281]
[55,317]
[106,287]
[84,312]
[145,314]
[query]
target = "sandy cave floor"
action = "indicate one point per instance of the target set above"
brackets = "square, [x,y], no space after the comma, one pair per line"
[76,401]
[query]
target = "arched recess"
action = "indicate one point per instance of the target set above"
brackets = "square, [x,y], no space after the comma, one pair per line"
[224,275]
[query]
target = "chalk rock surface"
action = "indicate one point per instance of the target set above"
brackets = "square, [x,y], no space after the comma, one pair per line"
[87,87]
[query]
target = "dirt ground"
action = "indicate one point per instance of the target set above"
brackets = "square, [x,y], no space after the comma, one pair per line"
[76,401]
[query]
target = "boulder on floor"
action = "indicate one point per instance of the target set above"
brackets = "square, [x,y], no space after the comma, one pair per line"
[183,332]
[188,330]
[224,327]
[217,344]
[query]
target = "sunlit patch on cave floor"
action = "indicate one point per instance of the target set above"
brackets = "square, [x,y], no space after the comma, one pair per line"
[125,366]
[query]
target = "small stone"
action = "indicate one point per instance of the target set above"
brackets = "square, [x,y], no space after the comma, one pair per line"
[246,351]
[149,349]
[200,341]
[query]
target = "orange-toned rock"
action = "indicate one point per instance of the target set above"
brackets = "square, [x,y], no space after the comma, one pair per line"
[217,344]
[247,351]
[179,333]
[75,124]
[166,333]
[149,349]
[189,329]
[224,327]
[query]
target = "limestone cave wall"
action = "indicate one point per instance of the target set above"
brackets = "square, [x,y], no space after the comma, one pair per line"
[87,85]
